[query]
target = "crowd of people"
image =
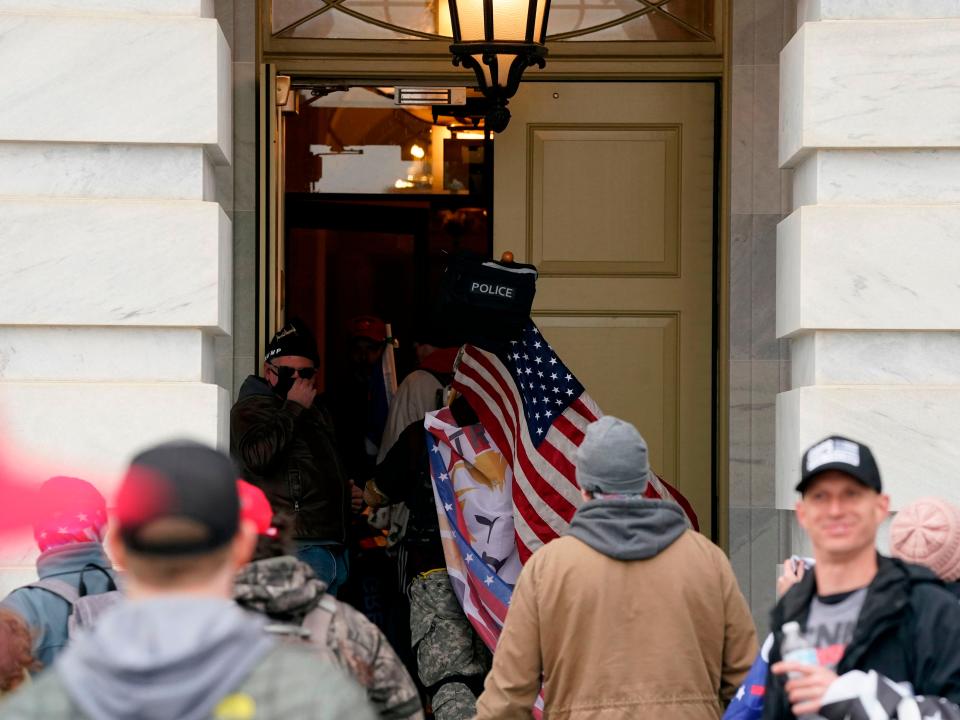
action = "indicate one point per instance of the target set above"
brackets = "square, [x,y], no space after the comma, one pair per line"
[216,586]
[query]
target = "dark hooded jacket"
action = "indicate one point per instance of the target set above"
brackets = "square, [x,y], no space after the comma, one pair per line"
[631,615]
[289,452]
[908,630]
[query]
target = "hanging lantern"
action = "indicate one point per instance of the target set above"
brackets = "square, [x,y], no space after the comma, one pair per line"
[498,40]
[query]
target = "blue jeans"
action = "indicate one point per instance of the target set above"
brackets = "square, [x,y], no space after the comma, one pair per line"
[330,562]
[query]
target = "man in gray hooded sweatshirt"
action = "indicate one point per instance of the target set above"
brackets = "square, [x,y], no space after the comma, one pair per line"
[630,615]
[178,646]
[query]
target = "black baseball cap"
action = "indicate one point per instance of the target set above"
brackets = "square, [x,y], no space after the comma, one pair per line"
[841,454]
[184,480]
[294,338]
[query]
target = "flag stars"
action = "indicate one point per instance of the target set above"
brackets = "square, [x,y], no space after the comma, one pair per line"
[444,476]
[538,360]
[539,373]
[553,361]
[556,390]
[489,580]
[553,376]
[569,393]
[528,371]
[559,401]
[568,377]
[448,507]
[548,413]
[539,431]
[538,344]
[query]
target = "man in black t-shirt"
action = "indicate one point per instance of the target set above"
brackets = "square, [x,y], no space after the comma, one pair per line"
[860,610]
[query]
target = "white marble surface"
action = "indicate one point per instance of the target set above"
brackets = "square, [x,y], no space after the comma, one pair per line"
[895,177]
[912,432]
[162,172]
[869,268]
[106,354]
[93,429]
[809,10]
[830,357]
[115,262]
[195,8]
[116,79]
[872,84]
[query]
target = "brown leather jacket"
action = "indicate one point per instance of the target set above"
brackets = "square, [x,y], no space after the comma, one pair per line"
[289,452]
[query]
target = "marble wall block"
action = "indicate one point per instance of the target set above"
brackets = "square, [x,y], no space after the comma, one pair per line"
[115,262]
[891,177]
[912,431]
[106,354]
[93,429]
[116,79]
[161,172]
[194,8]
[870,84]
[874,9]
[868,268]
[876,358]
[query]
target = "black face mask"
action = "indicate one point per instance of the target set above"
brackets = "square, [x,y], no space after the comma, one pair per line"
[284,383]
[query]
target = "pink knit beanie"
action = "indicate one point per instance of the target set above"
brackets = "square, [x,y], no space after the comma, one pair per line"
[927,532]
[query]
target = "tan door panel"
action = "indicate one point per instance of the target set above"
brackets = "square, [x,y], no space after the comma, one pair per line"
[608,189]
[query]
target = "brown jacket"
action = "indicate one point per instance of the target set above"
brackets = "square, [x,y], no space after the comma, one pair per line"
[665,638]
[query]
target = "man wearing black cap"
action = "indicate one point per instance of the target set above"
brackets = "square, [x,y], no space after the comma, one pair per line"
[178,646]
[284,441]
[858,609]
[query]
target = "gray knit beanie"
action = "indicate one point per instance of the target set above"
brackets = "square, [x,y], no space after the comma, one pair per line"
[613,458]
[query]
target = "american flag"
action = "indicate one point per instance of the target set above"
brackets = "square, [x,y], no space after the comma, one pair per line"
[536,413]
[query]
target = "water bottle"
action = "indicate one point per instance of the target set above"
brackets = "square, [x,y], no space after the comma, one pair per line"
[795,647]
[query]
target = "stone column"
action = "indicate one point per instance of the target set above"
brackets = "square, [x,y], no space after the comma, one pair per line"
[868,263]
[116,270]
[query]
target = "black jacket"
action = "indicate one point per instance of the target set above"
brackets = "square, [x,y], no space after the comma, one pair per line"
[908,630]
[404,476]
[289,452]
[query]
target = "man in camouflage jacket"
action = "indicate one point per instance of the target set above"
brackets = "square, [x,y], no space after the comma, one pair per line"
[286,590]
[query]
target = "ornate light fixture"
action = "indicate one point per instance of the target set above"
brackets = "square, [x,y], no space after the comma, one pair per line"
[499,39]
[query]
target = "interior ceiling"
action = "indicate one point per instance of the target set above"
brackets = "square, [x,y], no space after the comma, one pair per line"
[375,98]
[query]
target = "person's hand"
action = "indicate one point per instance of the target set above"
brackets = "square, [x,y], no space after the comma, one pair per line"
[356,497]
[372,496]
[303,392]
[807,688]
[792,574]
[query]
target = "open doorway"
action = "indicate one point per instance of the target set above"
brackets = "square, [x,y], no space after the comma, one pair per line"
[376,195]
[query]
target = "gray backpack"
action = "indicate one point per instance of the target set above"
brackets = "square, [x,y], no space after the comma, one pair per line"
[84,608]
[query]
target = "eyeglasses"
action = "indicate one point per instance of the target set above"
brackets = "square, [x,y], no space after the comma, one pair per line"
[284,372]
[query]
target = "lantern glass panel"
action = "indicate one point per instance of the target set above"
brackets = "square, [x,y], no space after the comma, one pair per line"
[503,69]
[470,15]
[510,19]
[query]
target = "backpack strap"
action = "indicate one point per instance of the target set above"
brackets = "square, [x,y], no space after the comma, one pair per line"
[63,590]
[318,620]
[82,586]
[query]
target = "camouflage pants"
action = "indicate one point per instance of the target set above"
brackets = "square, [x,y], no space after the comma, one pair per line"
[446,646]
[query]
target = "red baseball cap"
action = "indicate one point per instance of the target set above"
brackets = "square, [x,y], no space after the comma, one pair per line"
[367,326]
[255,507]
